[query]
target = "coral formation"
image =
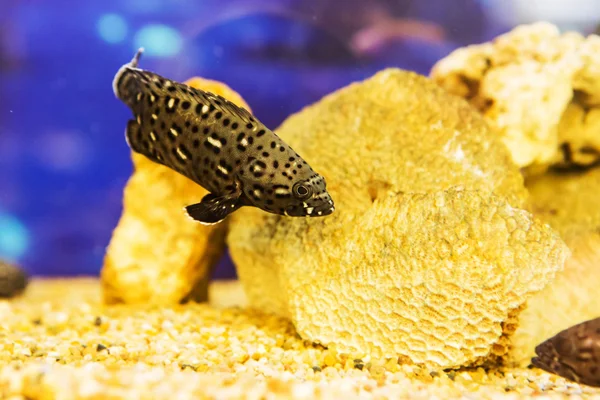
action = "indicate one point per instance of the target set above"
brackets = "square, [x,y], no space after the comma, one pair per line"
[428,256]
[569,203]
[156,254]
[60,342]
[541,90]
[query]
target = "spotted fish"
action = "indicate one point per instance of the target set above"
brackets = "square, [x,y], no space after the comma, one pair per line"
[573,353]
[219,146]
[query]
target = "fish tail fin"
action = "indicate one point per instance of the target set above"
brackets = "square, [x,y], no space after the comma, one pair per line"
[136,58]
[122,78]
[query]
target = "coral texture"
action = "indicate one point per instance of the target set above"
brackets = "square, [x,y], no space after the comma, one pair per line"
[428,252]
[540,88]
[156,254]
[569,203]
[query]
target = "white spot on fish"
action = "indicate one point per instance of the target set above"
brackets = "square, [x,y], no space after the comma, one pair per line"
[139,119]
[153,136]
[214,142]
[152,98]
[304,204]
[139,97]
[244,142]
[282,191]
[174,132]
[204,109]
[257,193]
[319,212]
[180,153]
[171,103]
[310,210]
[154,116]
[222,169]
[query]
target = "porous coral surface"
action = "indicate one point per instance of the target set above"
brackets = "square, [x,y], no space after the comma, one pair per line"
[539,87]
[157,254]
[59,341]
[428,252]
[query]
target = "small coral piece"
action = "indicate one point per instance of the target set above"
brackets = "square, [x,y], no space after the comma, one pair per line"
[13,280]
[428,256]
[573,353]
[540,88]
[569,203]
[156,254]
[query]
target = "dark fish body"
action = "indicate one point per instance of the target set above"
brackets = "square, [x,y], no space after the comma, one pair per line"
[573,353]
[218,145]
[13,280]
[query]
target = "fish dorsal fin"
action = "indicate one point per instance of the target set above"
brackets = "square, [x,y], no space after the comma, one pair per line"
[199,95]
[222,104]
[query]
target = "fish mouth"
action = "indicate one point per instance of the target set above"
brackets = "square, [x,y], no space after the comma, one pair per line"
[323,210]
[323,207]
[320,210]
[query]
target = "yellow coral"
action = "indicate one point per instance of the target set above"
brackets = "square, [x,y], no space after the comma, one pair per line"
[156,254]
[523,82]
[579,131]
[569,203]
[409,264]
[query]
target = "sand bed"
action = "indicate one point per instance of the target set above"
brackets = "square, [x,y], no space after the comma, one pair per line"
[59,341]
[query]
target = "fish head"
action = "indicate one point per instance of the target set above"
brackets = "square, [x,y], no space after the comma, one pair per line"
[309,198]
[304,196]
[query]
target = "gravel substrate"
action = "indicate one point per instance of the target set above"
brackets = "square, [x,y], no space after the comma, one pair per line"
[59,341]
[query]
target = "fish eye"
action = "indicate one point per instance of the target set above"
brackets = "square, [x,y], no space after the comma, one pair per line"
[301,191]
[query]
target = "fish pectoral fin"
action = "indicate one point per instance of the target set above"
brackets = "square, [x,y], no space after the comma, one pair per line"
[213,209]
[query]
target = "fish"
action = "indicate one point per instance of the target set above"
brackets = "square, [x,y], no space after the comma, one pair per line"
[219,146]
[13,280]
[573,353]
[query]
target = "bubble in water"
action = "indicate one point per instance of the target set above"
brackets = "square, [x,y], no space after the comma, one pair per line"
[14,237]
[112,28]
[158,40]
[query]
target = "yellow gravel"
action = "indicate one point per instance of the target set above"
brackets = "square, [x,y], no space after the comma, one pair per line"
[59,341]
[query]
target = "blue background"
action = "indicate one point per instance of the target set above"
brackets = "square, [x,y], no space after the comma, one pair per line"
[63,158]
